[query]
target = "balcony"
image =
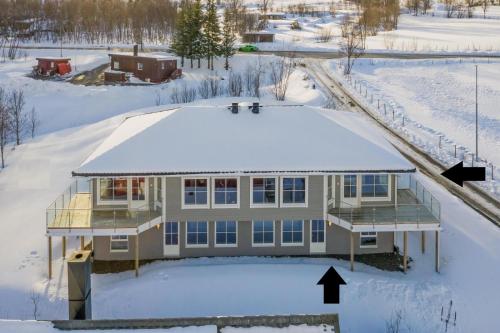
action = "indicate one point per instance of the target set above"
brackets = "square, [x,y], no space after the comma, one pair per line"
[415,209]
[72,213]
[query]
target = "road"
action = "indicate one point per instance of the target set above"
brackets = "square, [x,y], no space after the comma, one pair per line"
[471,194]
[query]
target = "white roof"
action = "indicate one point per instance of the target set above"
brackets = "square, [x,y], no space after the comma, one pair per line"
[210,139]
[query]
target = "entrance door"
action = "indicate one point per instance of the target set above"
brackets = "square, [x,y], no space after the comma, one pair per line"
[171,239]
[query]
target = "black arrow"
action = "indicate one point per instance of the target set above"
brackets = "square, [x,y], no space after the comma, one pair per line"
[458,174]
[331,282]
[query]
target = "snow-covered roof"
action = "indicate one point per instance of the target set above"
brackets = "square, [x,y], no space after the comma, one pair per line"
[158,57]
[210,139]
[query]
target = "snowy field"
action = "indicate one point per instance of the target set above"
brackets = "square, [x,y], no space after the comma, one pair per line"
[437,99]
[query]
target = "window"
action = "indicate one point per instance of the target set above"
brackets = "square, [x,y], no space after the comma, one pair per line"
[119,243]
[116,65]
[294,191]
[162,65]
[264,191]
[350,186]
[225,233]
[113,189]
[368,239]
[138,188]
[263,233]
[375,186]
[171,233]
[225,191]
[195,192]
[197,233]
[140,66]
[292,232]
[317,231]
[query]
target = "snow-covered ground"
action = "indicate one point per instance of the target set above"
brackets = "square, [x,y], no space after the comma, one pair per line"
[437,99]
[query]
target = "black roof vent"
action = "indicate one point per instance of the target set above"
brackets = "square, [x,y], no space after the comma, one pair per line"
[255,107]
[136,50]
[234,108]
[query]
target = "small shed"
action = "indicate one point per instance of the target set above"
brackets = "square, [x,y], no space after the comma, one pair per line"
[273,16]
[146,67]
[50,66]
[258,37]
[115,76]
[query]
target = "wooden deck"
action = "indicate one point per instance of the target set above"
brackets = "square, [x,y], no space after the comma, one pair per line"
[76,215]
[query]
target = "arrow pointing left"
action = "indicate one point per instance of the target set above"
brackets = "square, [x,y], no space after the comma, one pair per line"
[331,282]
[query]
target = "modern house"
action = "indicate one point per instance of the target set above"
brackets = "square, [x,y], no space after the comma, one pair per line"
[49,66]
[257,37]
[145,67]
[256,181]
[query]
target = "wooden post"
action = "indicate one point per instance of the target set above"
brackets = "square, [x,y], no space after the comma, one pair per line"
[82,243]
[137,255]
[352,251]
[405,251]
[437,251]
[423,242]
[64,247]
[50,257]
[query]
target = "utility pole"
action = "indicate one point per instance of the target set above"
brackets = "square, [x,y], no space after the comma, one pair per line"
[477,149]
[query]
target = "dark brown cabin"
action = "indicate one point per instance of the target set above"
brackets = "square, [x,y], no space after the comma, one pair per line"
[258,37]
[148,68]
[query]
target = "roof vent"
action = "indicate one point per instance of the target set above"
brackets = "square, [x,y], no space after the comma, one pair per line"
[255,107]
[136,50]
[234,108]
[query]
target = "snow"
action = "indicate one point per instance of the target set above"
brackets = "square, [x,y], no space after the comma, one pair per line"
[289,329]
[278,134]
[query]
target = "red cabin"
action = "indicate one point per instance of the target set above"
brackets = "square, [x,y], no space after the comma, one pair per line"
[53,66]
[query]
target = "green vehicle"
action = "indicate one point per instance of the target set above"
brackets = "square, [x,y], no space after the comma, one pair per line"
[248,48]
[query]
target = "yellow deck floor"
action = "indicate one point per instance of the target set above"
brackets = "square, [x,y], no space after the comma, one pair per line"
[76,215]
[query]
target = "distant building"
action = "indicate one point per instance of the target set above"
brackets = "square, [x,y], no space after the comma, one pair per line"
[50,66]
[148,68]
[273,16]
[258,37]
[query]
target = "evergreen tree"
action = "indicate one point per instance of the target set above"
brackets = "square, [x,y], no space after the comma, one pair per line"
[197,38]
[181,41]
[211,33]
[228,39]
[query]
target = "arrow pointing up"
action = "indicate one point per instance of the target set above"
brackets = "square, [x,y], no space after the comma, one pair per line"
[458,174]
[331,282]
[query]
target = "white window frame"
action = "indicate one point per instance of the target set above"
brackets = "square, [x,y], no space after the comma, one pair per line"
[165,233]
[111,202]
[264,244]
[195,206]
[197,245]
[306,195]
[311,230]
[389,188]
[361,236]
[217,206]
[140,66]
[116,64]
[146,189]
[111,241]
[283,229]
[276,192]
[215,234]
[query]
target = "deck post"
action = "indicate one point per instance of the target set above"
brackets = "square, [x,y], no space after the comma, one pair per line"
[64,247]
[405,251]
[423,242]
[352,251]
[136,264]
[50,256]
[437,251]
[82,243]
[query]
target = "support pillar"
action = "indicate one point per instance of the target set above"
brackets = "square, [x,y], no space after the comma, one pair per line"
[405,251]
[137,255]
[82,243]
[437,250]
[64,247]
[50,256]
[423,242]
[352,251]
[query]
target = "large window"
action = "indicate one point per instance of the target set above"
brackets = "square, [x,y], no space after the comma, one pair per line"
[368,239]
[292,233]
[375,186]
[294,191]
[138,188]
[195,192]
[350,186]
[171,233]
[113,189]
[226,191]
[225,233]
[197,233]
[119,243]
[116,65]
[317,231]
[263,233]
[264,191]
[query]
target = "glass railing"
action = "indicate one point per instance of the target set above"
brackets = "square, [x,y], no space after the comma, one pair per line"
[425,197]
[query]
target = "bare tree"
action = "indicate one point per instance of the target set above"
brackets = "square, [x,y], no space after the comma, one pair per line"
[450,7]
[235,84]
[484,6]
[17,116]
[324,35]
[351,44]
[4,124]
[470,7]
[280,72]
[34,122]
[35,300]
